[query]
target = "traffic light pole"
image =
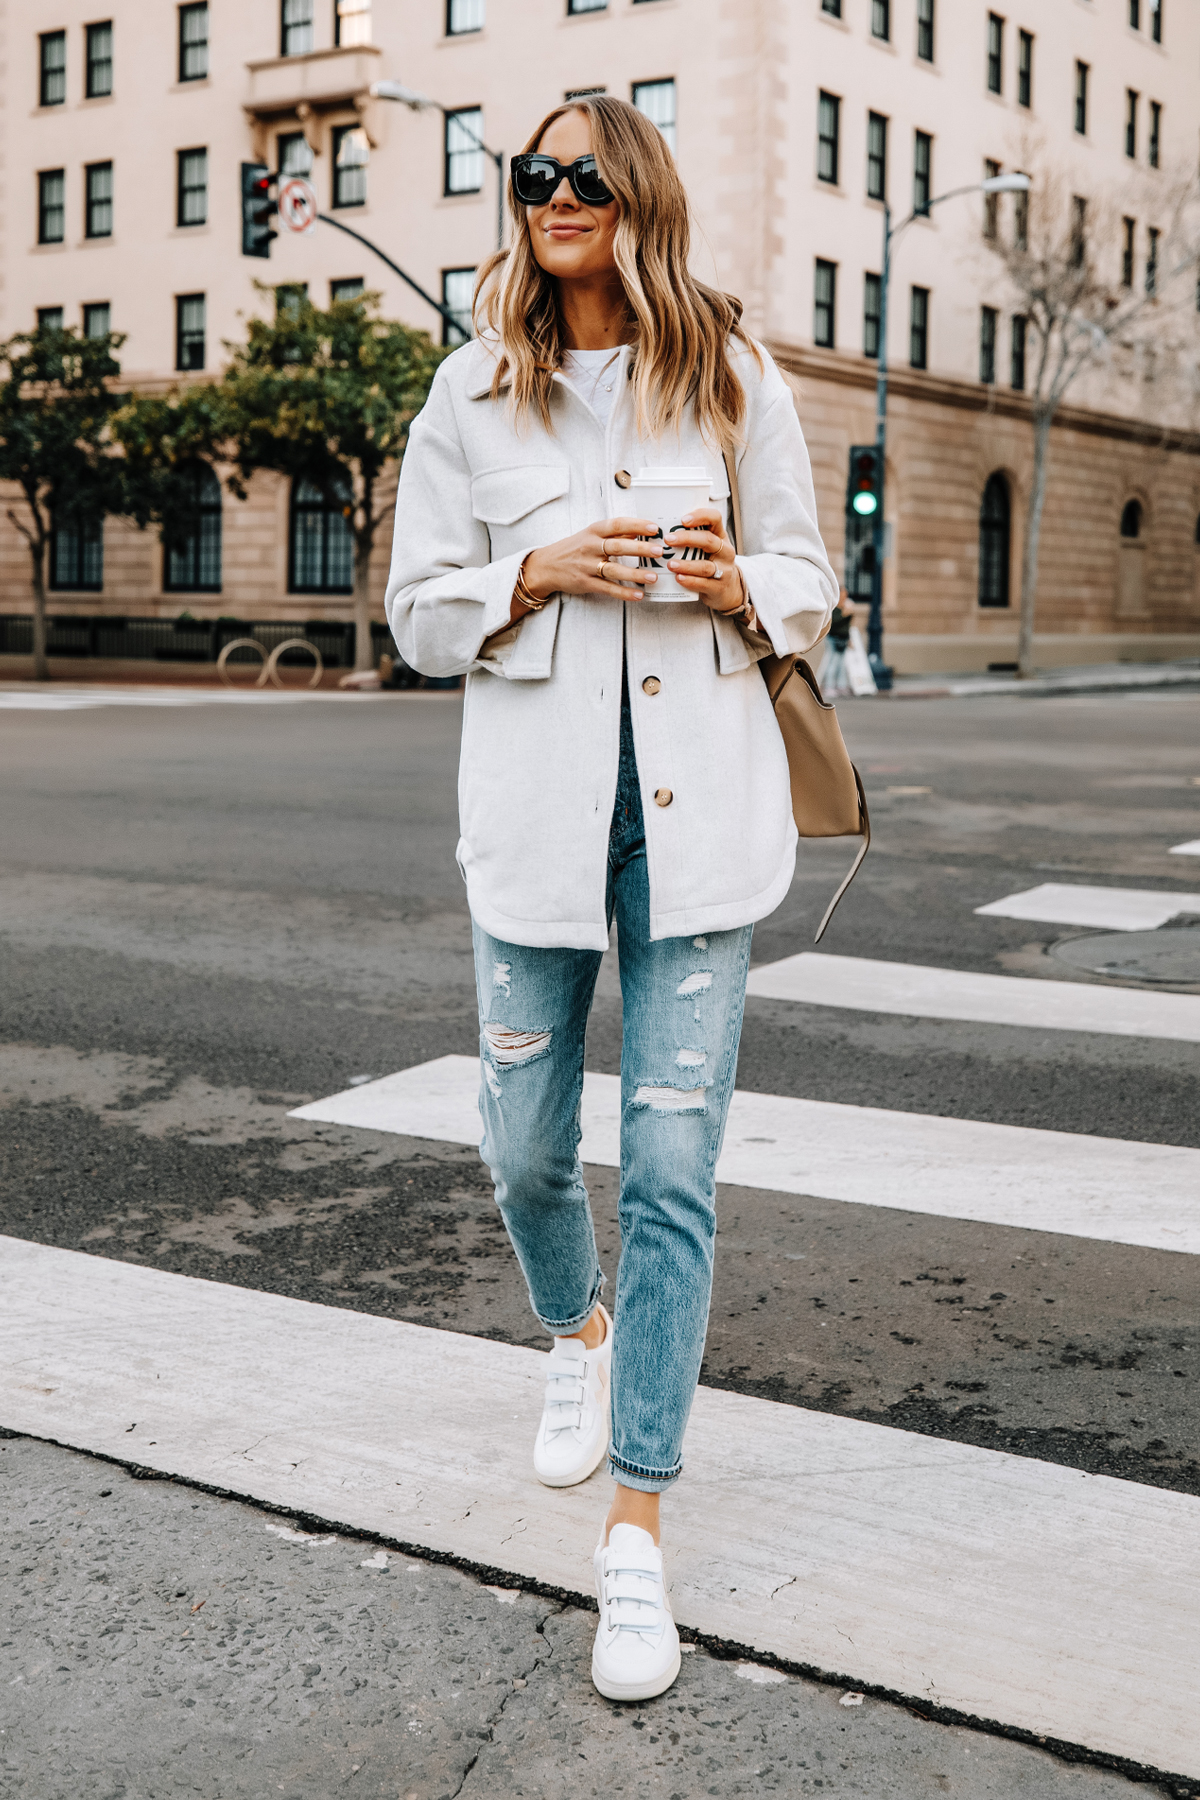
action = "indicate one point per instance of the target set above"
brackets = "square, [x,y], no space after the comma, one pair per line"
[416,287]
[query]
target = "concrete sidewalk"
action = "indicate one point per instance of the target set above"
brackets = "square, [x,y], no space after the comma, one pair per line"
[1088,678]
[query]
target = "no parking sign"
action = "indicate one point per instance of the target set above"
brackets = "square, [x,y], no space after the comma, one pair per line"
[297,204]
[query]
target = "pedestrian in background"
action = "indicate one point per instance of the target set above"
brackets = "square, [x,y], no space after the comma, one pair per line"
[620,760]
[833,677]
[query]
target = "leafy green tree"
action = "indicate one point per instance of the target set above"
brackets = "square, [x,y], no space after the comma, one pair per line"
[163,437]
[328,397]
[56,445]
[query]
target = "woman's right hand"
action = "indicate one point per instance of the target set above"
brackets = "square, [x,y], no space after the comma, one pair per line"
[577,565]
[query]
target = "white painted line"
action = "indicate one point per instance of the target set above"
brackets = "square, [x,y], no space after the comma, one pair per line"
[1093,1187]
[883,987]
[1064,1604]
[1192,849]
[64,699]
[1107,909]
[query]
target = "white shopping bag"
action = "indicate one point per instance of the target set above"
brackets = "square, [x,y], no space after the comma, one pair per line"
[858,667]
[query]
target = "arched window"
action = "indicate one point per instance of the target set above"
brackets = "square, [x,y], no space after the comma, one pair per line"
[1131,519]
[77,555]
[322,540]
[994,532]
[193,552]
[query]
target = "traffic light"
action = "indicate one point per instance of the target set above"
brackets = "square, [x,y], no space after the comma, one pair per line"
[864,490]
[258,203]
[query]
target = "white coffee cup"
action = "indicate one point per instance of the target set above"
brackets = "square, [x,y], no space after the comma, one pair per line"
[665,495]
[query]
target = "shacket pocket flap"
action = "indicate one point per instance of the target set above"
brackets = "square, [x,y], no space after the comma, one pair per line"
[502,496]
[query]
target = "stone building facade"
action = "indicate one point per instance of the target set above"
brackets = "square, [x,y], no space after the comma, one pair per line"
[791,119]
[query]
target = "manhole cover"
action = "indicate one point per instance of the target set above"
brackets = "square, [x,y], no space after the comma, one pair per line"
[1171,954]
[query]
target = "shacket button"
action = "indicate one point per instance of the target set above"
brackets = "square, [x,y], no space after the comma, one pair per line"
[663,796]
[651,684]
[623,478]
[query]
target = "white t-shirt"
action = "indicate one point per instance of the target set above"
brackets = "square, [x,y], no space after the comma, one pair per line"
[593,375]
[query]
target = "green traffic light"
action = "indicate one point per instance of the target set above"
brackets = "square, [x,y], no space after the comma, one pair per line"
[865,504]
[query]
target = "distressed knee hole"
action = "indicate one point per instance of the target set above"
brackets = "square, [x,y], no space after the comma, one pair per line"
[699,943]
[695,984]
[492,1079]
[508,1047]
[670,1099]
[502,977]
[690,1059]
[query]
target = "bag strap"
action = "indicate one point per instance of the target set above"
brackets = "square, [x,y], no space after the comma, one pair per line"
[735,499]
[856,865]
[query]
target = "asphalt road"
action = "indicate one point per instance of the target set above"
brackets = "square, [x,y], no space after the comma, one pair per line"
[209,915]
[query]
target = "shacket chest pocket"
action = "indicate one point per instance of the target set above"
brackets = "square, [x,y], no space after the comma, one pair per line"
[523,506]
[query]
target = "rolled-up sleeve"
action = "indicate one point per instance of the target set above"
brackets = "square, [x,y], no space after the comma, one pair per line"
[784,565]
[444,596]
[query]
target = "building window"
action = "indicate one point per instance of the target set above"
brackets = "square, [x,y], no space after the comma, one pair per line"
[881,19]
[1131,519]
[1081,97]
[1156,13]
[193,42]
[192,196]
[1153,145]
[922,171]
[1021,220]
[991,202]
[98,179]
[99,77]
[872,313]
[97,319]
[832,7]
[52,207]
[987,344]
[348,287]
[1135,14]
[350,152]
[586,6]
[824,304]
[1078,230]
[1025,68]
[1131,101]
[918,334]
[925,30]
[1127,253]
[463,15]
[1152,261]
[352,22]
[321,557]
[189,331]
[657,100]
[876,156]
[995,531]
[1017,359]
[77,555]
[295,27]
[464,156]
[290,299]
[995,54]
[458,291]
[52,68]
[829,109]
[293,154]
[49,318]
[192,564]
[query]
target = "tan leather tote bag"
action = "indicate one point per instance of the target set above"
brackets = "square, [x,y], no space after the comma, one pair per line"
[827,790]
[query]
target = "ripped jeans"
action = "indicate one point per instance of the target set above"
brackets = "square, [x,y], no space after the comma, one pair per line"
[683,1000]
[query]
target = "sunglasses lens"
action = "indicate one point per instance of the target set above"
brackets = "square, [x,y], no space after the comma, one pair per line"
[588,183]
[535,180]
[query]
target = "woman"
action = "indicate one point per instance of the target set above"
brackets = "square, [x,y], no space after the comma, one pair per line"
[620,760]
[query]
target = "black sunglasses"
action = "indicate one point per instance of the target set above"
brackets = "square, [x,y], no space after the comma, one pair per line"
[536,177]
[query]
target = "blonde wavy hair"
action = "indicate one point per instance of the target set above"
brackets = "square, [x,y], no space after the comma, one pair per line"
[680,329]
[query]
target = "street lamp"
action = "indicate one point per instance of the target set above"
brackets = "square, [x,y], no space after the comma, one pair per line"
[396,90]
[995,184]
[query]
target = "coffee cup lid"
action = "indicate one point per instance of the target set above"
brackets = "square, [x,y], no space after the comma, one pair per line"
[671,478]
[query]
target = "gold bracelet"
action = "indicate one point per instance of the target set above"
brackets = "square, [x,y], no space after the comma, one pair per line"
[522,591]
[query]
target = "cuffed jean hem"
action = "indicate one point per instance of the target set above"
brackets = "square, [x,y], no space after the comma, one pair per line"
[568,1327]
[646,1481]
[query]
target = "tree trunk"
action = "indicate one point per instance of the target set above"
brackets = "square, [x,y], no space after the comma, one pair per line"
[37,552]
[1033,530]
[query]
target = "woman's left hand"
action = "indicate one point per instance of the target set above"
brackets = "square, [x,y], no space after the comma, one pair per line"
[717,580]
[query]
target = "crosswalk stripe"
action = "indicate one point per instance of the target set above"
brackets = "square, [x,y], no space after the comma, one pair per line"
[63,699]
[861,985]
[1058,1603]
[1093,1187]
[1192,849]
[1106,909]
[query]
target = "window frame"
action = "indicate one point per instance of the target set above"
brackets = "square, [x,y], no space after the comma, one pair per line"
[185,189]
[185,334]
[461,337]
[918,327]
[288,26]
[877,155]
[926,31]
[1131,111]
[47,207]
[43,321]
[281,155]
[995,53]
[1082,71]
[922,142]
[47,72]
[881,21]
[991,202]
[668,128]
[93,202]
[872,313]
[825,304]
[340,199]
[1135,15]
[999,561]
[577,9]
[1154,136]
[989,323]
[829,144]
[208,505]
[1156,13]
[355,283]
[1078,230]
[92,63]
[1153,236]
[192,9]
[329,508]
[1025,68]
[453,30]
[832,7]
[1017,350]
[450,120]
[1128,252]
[88,535]
[342,42]
[96,306]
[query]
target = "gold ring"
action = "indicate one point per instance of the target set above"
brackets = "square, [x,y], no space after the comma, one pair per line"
[604,547]
[600,566]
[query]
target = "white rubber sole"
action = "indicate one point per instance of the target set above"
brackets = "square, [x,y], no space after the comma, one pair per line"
[637,1690]
[577,1475]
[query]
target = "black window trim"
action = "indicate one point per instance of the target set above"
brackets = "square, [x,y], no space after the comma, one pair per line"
[192,545]
[181,223]
[832,139]
[918,303]
[823,267]
[328,507]
[89,201]
[59,206]
[182,300]
[455,113]
[46,38]
[91,63]
[192,6]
